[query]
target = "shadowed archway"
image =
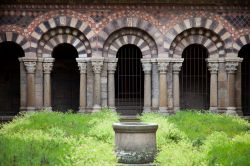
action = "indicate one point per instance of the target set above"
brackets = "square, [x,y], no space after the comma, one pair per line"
[10,78]
[65,78]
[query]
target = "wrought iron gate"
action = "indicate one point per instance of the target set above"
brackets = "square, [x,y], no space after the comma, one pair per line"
[129,77]
[194,78]
[245,79]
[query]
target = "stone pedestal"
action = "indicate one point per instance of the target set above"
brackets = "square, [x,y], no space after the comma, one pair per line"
[82,64]
[162,67]
[146,64]
[112,63]
[47,68]
[97,64]
[177,63]
[30,65]
[213,67]
[231,67]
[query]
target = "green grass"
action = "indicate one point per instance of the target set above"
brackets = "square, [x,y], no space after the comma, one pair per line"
[187,138]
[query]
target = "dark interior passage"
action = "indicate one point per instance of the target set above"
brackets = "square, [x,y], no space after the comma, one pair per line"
[10,78]
[65,79]
[194,78]
[245,79]
[129,77]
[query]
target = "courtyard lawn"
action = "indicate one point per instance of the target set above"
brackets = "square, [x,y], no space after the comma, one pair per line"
[187,138]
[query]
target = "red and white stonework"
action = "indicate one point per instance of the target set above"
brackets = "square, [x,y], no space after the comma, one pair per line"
[160,31]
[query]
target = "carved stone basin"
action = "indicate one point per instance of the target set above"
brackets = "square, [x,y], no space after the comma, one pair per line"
[135,142]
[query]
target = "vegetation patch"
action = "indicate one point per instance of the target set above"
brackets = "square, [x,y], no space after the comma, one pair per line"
[186,138]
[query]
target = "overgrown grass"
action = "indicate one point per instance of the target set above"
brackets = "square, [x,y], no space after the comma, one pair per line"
[195,138]
[187,138]
[53,138]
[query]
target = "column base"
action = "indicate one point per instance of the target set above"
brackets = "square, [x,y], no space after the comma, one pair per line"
[22,109]
[176,109]
[47,109]
[214,109]
[96,108]
[112,109]
[239,111]
[82,110]
[146,109]
[163,110]
[231,111]
[30,109]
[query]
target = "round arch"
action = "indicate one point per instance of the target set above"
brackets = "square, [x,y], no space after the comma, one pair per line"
[132,36]
[200,36]
[63,35]
[56,22]
[240,42]
[131,23]
[214,27]
[16,38]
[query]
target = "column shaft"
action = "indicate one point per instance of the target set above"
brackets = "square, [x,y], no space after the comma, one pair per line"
[147,91]
[30,65]
[163,91]
[176,88]
[111,90]
[231,90]
[213,91]
[47,91]
[83,92]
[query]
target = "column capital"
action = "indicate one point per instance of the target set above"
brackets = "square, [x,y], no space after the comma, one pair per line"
[147,66]
[97,64]
[232,64]
[112,63]
[48,64]
[213,65]
[163,64]
[30,64]
[82,64]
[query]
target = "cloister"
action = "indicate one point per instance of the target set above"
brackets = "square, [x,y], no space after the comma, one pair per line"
[131,58]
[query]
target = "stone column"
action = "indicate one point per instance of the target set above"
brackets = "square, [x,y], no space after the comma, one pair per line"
[147,67]
[82,64]
[213,67]
[231,67]
[112,63]
[30,65]
[97,64]
[47,68]
[177,63]
[163,94]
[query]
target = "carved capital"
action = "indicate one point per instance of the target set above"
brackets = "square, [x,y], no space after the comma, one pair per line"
[47,67]
[147,67]
[112,63]
[82,67]
[177,67]
[30,64]
[231,67]
[97,65]
[213,67]
[162,67]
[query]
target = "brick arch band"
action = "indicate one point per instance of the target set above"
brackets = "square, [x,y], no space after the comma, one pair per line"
[211,25]
[131,26]
[130,36]
[14,37]
[59,21]
[208,39]
[59,39]
[240,42]
[63,35]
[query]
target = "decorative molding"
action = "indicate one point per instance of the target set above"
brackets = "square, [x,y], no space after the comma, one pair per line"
[177,64]
[82,64]
[213,67]
[232,64]
[47,67]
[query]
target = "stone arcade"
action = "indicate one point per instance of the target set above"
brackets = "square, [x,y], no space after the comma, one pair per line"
[128,57]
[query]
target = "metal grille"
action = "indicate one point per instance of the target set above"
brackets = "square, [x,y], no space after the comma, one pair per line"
[245,79]
[65,79]
[194,78]
[129,79]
